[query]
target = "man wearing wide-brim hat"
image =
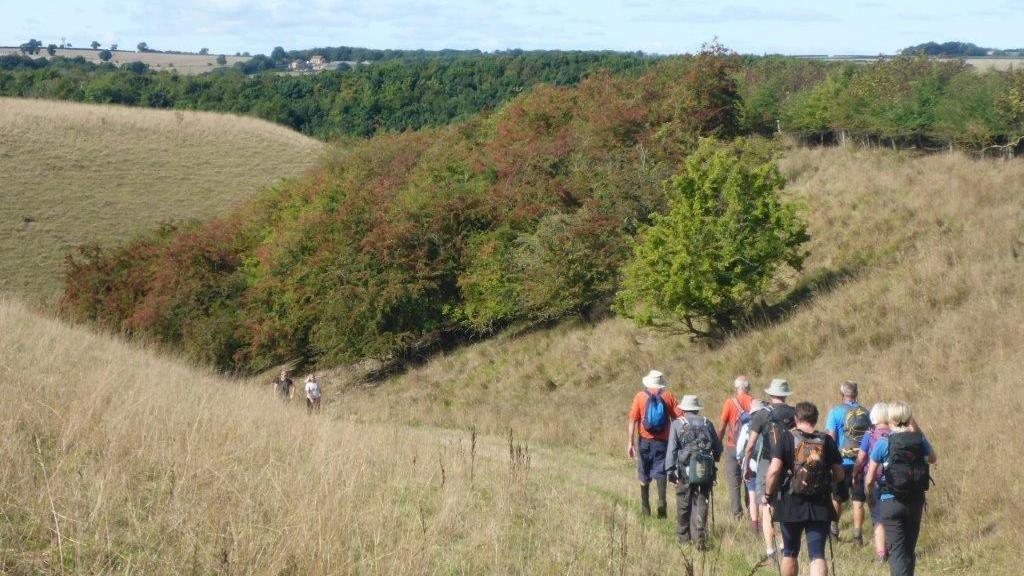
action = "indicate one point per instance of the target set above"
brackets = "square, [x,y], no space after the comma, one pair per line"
[650,420]
[692,440]
[767,423]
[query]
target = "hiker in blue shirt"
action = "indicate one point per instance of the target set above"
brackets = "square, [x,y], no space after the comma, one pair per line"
[905,457]
[847,424]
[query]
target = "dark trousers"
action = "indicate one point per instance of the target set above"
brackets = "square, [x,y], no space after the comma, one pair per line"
[734,482]
[691,513]
[902,522]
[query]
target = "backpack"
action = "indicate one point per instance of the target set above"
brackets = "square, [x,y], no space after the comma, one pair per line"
[733,431]
[811,474]
[856,424]
[655,414]
[775,426]
[907,473]
[699,457]
[873,438]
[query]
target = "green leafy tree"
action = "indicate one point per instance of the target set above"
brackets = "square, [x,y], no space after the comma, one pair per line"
[31,47]
[278,54]
[221,59]
[142,47]
[51,49]
[95,45]
[113,46]
[726,234]
[105,55]
[204,51]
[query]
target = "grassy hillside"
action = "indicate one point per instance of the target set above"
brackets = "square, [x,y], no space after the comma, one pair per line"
[120,460]
[913,289]
[181,63]
[74,173]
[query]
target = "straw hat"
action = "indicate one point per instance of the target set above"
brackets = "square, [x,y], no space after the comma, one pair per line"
[779,387]
[654,379]
[690,403]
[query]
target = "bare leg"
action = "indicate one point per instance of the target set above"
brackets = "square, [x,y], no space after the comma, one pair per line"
[768,528]
[752,506]
[858,517]
[819,567]
[790,567]
[879,540]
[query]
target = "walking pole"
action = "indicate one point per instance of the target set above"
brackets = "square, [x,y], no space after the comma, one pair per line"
[832,553]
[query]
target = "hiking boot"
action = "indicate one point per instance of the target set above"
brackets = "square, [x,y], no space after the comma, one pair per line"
[858,539]
[661,512]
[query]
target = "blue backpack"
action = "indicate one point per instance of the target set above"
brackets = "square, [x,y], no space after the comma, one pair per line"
[655,415]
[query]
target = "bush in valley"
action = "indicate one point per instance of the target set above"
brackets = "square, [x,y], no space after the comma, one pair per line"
[413,240]
[705,262]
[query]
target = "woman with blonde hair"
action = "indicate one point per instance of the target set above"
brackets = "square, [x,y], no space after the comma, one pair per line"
[879,429]
[905,457]
[312,393]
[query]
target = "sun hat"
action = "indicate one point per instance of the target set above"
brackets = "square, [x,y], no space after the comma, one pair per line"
[690,403]
[654,379]
[779,388]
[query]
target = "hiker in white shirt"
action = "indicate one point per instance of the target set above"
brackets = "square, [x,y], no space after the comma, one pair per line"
[313,393]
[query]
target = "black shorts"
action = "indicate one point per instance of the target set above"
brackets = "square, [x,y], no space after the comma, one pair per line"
[846,489]
[817,535]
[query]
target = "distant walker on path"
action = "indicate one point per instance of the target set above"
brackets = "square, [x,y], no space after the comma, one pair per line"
[313,393]
[284,386]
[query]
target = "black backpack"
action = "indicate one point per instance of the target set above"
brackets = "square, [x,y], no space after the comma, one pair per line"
[907,473]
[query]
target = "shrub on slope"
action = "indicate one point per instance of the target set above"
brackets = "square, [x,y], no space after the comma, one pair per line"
[411,240]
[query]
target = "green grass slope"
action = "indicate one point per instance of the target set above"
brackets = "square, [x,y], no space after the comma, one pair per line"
[75,173]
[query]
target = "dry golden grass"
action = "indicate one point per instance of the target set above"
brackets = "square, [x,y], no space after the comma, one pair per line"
[73,173]
[120,460]
[927,305]
[183,63]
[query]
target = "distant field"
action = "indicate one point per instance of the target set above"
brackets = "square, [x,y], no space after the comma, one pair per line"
[76,173]
[983,64]
[184,63]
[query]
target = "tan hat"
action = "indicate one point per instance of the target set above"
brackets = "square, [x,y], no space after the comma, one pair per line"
[779,388]
[654,379]
[690,403]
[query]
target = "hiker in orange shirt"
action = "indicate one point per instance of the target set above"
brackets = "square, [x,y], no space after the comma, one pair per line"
[735,413]
[650,420]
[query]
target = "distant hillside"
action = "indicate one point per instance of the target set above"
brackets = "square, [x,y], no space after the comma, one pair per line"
[77,173]
[183,63]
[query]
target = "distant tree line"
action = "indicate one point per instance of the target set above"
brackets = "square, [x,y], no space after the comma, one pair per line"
[390,95]
[957,50]
[907,101]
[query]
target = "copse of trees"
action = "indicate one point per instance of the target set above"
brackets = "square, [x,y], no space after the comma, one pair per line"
[412,240]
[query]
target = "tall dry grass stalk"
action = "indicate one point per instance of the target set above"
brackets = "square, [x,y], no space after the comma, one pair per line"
[74,173]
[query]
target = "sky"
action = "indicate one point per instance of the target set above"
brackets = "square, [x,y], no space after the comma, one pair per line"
[654,26]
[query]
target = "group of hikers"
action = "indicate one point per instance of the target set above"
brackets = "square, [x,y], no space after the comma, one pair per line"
[284,386]
[792,475]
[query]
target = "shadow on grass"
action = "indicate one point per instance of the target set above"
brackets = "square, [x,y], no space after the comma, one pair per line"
[821,281]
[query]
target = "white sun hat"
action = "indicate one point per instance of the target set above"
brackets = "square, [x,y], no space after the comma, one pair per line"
[654,379]
[779,388]
[690,403]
